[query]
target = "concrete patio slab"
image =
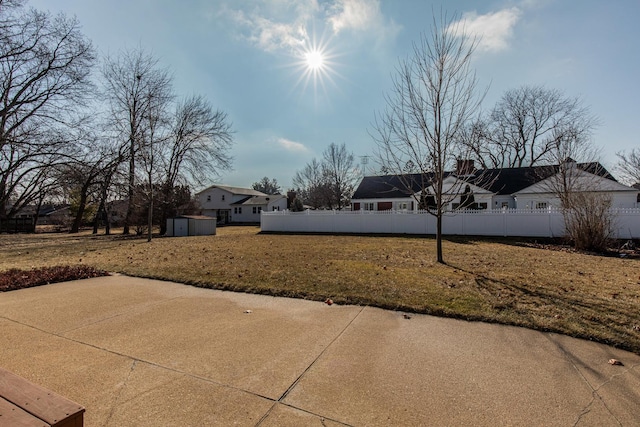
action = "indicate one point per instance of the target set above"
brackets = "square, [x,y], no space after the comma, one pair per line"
[138,352]
[614,386]
[286,416]
[154,396]
[437,371]
[71,305]
[207,335]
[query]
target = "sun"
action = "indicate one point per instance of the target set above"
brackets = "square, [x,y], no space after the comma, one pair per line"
[314,60]
[315,63]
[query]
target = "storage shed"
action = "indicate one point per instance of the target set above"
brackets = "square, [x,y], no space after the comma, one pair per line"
[191,225]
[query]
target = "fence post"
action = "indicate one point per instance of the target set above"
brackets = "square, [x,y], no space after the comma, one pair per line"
[504,222]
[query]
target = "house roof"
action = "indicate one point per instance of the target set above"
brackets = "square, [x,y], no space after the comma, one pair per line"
[44,209]
[502,181]
[235,190]
[390,186]
[258,200]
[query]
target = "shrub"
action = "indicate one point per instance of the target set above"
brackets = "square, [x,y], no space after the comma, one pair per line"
[589,221]
[296,205]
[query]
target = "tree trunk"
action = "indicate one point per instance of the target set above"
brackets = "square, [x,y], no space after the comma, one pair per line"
[150,217]
[164,208]
[440,259]
[164,214]
[75,227]
[107,225]
[36,216]
[3,201]
[96,219]
[132,177]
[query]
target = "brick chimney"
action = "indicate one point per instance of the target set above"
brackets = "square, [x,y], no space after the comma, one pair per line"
[465,167]
[290,196]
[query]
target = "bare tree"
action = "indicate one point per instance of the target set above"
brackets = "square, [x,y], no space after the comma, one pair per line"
[588,218]
[328,183]
[195,151]
[105,180]
[312,186]
[340,173]
[433,98]
[45,65]
[200,141]
[629,166]
[526,125]
[570,165]
[134,83]
[84,171]
[150,151]
[267,186]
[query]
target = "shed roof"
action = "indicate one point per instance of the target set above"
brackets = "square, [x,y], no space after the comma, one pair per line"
[199,217]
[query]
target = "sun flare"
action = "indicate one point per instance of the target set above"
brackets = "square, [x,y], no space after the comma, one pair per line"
[315,60]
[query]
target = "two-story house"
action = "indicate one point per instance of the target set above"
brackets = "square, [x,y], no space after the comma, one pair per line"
[238,205]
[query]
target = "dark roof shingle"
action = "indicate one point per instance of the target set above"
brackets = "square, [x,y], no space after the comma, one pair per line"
[503,181]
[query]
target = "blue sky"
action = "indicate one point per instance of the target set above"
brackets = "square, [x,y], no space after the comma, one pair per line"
[248,58]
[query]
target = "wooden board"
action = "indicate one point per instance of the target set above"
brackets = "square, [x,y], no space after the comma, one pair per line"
[53,409]
[11,415]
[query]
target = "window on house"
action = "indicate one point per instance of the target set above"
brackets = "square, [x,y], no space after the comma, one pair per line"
[235,210]
[209,198]
[240,210]
[541,205]
[368,206]
[276,208]
[482,205]
[223,197]
[259,209]
[403,206]
[255,210]
[505,205]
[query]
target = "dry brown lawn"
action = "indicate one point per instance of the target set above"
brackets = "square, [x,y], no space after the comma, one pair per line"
[582,295]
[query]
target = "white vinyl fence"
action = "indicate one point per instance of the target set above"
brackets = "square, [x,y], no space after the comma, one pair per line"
[509,222]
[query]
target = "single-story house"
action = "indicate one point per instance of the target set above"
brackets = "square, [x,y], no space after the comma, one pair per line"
[504,188]
[47,215]
[238,205]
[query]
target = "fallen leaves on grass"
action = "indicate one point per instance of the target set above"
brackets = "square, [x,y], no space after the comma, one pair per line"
[19,279]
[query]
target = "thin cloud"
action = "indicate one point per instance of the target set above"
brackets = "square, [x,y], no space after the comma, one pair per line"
[270,35]
[494,30]
[359,15]
[286,24]
[291,145]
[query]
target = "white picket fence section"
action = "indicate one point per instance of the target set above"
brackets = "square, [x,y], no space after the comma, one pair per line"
[508,222]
